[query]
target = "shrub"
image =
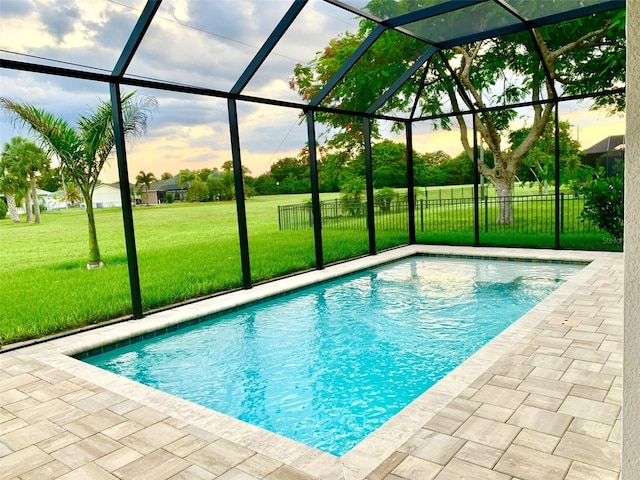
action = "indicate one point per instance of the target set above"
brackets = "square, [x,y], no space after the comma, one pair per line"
[169,197]
[197,191]
[604,203]
[351,196]
[384,197]
[3,210]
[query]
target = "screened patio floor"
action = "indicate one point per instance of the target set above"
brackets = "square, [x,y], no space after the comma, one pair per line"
[541,401]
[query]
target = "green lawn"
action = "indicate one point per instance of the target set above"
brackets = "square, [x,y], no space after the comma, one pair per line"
[184,251]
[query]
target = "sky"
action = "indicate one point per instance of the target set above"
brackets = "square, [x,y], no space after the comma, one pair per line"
[203,43]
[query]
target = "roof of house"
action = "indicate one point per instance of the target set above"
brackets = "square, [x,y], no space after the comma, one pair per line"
[107,185]
[605,145]
[165,185]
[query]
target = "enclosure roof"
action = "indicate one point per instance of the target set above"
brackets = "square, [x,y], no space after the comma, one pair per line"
[134,32]
[447,23]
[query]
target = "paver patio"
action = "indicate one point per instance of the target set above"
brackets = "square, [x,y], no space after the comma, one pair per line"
[541,401]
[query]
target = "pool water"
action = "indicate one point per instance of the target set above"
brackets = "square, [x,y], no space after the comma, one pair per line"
[329,364]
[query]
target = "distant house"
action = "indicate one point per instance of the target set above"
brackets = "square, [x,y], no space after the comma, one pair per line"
[147,197]
[51,200]
[106,196]
[607,153]
[158,191]
[46,199]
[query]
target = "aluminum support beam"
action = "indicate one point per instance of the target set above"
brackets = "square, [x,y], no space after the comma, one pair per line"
[129,50]
[208,92]
[315,189]
[269,45]
[368,169]
[410,183]
[476,193]
[557,178]
[125,197]
[239,187]
[391,91]
[353,59]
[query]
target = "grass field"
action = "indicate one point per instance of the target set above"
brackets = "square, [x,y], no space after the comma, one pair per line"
[184,251]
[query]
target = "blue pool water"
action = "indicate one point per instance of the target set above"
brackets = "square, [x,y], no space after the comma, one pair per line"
[329,364]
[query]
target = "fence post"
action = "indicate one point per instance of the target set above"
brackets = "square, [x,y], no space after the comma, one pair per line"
[422,215]
[279,218]
[486,213]
[562,212]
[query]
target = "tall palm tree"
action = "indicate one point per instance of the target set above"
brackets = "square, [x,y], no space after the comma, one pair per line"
[85,149]
[146,179]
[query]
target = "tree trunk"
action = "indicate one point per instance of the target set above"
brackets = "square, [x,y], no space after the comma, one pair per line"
[27,207]
[34,193]
[504,191]
[94,251]
[13,209]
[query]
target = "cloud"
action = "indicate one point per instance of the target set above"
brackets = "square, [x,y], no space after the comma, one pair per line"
[12,9]
[61,19]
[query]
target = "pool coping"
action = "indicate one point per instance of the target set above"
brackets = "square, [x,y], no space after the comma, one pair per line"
[374,449]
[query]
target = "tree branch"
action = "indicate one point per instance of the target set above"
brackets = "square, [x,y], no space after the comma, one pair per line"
[581,42]
[550,57]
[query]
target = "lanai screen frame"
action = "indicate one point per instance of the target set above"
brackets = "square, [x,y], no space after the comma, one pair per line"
[117,78]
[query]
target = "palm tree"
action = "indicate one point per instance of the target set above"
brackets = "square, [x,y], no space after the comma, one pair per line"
[11,185]
[146,179]
[26,159]
[84,150]
[71,194]
[185,178]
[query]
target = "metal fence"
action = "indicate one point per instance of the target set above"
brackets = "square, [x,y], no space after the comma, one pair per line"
[531,213]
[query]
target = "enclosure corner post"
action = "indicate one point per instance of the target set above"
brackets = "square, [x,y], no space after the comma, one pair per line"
[476,181]
[557,177]
[125,196]
[239,188]
[315,189]
[368,163]
[410,183]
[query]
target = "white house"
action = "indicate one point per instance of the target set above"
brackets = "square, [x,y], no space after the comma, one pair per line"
[45,198]
[106,196]
[50,200]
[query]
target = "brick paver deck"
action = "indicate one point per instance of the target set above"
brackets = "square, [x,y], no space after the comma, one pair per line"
[540,402]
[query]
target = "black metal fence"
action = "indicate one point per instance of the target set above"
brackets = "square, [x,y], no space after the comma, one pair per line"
[531,214]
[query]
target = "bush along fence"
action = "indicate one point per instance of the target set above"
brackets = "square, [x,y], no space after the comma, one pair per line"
[532,214]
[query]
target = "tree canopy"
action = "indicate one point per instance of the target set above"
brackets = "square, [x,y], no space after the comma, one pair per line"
[581,56]
[538,165]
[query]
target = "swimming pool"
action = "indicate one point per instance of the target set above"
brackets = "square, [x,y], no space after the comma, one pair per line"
[329,364]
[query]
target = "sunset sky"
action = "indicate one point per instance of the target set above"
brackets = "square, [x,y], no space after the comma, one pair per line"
[201,43]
